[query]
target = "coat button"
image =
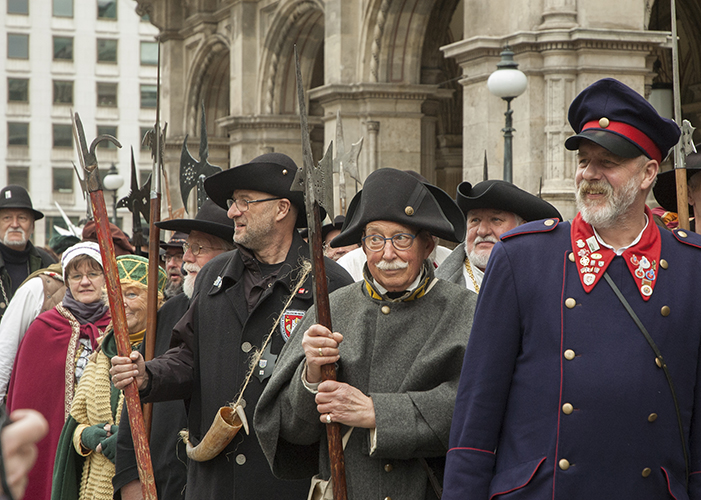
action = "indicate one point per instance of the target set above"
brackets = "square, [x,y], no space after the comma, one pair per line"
[3,305]
[242,403]
[682,234]
[567,408]
[571,256]
[646,471]
[665,311]
[652,417]
[409,211]
[388,467]
[385,309]
[246,346]
[569,355]
[240,459]
[570,303]
[564,464]
[548,222]
[663,264]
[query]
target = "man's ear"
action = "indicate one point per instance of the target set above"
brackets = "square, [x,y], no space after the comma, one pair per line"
[650,169]
[283,208]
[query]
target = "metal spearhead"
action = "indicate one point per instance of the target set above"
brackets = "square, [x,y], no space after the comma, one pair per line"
[314,180]
[137,202]
[687,140]
[193,172]
[86,155]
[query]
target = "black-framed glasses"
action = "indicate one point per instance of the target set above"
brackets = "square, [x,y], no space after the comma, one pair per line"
[401,241]
[242,205]
[195,248]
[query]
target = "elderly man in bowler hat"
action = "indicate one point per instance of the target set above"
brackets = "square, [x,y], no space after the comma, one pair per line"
[238,299]
[18,257]
[399,343]
[665,189]
[491,208]
[206,236]
[582,376]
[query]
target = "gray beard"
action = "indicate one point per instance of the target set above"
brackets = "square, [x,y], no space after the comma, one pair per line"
[15,243]
[616,204]
[173,289]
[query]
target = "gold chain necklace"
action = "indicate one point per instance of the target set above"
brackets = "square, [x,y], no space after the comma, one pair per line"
[468,267]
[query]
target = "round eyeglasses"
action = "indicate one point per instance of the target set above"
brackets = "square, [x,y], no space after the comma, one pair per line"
[401,241]
[195,248]
[242,205]
[77,277]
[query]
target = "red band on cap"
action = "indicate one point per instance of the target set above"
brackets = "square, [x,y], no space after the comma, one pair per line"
[630,132]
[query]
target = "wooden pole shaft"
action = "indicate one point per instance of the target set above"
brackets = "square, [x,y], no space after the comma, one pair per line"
[121,334]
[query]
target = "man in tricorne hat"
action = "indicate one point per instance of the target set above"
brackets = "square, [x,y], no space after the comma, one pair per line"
[399,341]
[173,259]
[582,376]
[665,189]
[239,298]
[18,257]
[491,208]
[329,232]
[209,234]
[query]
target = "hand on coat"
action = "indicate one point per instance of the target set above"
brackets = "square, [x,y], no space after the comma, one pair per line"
[124,370]
[19,449]
[320,348]
[345,404]
[108,446]
[92,436]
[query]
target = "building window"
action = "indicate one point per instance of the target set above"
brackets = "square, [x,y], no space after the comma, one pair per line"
[63,136]
[149,53]
[63,48]
[107,94]
[17,134]
[107,9]
[17,46]
[109,130]
[106,50]
[19,176]
[63,180]
[63,92]
[17,90]
[63,8]
[18,6]
[149,95]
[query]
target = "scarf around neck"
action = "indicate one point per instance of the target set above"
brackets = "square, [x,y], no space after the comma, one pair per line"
[84,313]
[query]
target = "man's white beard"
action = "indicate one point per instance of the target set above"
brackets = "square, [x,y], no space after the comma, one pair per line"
[480,260]
[189,278]
[15,243]
[385,265]
[606,213]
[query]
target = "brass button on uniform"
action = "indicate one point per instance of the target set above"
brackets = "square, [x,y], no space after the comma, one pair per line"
[388,467]
[682,234]
[388,498]
[549,222]
[652,417]
[658,362]
[409,211]
[571,256]
[3,305]
[385,309]
[564,464]
[663,264]
[665,310]
[240,459]
[569,354]
[646,471]
[570,303]
[567,409]
[284,171]
[246,346]
[604,122]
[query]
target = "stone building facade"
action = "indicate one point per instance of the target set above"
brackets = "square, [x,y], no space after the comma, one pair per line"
[409,76]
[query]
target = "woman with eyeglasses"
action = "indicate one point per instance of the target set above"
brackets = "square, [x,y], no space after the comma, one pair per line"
[87,448]
[54,352]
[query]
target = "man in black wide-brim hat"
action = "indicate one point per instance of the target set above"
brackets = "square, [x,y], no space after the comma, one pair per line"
[399,343]
[665,189]
[491,208]
[239,298]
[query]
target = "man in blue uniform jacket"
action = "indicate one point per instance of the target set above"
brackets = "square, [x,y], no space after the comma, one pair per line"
[561,395]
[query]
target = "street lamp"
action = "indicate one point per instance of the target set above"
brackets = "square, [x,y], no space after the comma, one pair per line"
[112,182]
[508,83]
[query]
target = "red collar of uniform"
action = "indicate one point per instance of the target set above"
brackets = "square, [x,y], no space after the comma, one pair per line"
[592,259]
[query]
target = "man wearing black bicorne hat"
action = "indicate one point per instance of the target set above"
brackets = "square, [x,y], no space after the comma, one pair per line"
[18,257]
[399,340]
[239,298]
[582,376]
[491,209]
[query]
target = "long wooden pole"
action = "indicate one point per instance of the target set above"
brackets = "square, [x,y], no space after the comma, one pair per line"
[679,158]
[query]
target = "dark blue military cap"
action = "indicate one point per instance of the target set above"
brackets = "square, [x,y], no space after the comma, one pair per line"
[617,118]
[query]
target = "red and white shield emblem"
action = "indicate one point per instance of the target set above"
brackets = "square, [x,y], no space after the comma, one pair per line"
[289,320]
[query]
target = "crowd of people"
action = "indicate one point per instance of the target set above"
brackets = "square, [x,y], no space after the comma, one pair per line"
[530,357]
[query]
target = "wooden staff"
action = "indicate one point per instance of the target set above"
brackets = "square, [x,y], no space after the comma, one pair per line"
[88,161]
[679,156]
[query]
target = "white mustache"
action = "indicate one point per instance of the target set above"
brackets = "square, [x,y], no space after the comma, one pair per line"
[487,239]
[596,187]
[385,265]
[191,267]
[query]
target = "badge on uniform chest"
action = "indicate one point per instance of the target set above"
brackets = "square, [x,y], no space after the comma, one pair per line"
[266,363]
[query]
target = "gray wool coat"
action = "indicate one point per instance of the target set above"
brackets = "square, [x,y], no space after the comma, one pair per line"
[408,359]
[451,268]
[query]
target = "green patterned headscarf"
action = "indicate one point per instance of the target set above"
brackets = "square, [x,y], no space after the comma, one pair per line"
[134,268]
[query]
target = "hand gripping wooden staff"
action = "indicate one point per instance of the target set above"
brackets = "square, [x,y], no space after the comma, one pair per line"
[88,161]
[312,181]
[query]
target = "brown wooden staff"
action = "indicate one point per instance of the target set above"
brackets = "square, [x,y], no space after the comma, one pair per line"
[88,161]
[311,180]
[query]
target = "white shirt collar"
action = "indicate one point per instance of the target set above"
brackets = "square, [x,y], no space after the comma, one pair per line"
[622,249]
